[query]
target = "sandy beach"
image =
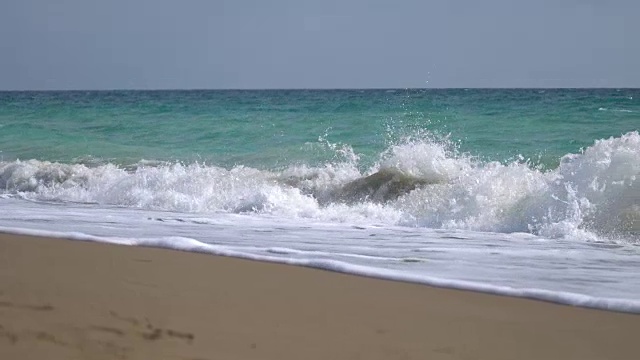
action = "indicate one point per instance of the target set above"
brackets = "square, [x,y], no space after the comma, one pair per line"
[62,299]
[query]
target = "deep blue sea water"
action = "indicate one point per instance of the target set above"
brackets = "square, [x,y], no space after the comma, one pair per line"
[528,192]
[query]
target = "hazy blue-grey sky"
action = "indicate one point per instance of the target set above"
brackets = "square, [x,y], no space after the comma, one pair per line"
[153,44]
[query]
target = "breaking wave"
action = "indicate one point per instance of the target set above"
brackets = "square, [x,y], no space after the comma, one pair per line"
[591,195]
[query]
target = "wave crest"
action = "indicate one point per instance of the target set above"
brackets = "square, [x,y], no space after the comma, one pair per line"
[423,182]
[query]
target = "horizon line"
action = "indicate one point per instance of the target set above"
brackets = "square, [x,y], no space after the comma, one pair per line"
[329,89]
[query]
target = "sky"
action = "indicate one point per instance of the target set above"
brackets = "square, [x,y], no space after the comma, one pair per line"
[261,44]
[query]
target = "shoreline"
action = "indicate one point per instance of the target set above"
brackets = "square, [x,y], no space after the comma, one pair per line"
[68,299]
[622,305]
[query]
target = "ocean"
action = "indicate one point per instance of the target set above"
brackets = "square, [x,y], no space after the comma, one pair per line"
[521,192]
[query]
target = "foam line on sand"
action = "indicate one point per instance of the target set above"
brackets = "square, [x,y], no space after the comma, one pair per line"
[64,299]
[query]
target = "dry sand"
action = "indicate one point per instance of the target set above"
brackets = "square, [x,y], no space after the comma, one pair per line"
[63,299]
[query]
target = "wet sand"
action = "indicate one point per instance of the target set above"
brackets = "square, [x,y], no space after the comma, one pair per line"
[62,299]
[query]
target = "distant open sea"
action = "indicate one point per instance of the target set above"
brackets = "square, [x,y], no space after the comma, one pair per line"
[521,192]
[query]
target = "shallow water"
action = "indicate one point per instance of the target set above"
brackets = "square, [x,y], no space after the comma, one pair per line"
[522,192]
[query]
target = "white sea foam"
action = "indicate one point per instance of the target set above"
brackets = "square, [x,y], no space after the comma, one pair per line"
[616,110]
[192,245]
[592,195]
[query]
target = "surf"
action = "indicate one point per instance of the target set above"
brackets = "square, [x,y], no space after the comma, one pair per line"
[420,182]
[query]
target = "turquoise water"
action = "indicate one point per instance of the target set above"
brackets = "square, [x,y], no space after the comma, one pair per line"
[273,129]
[532,193]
